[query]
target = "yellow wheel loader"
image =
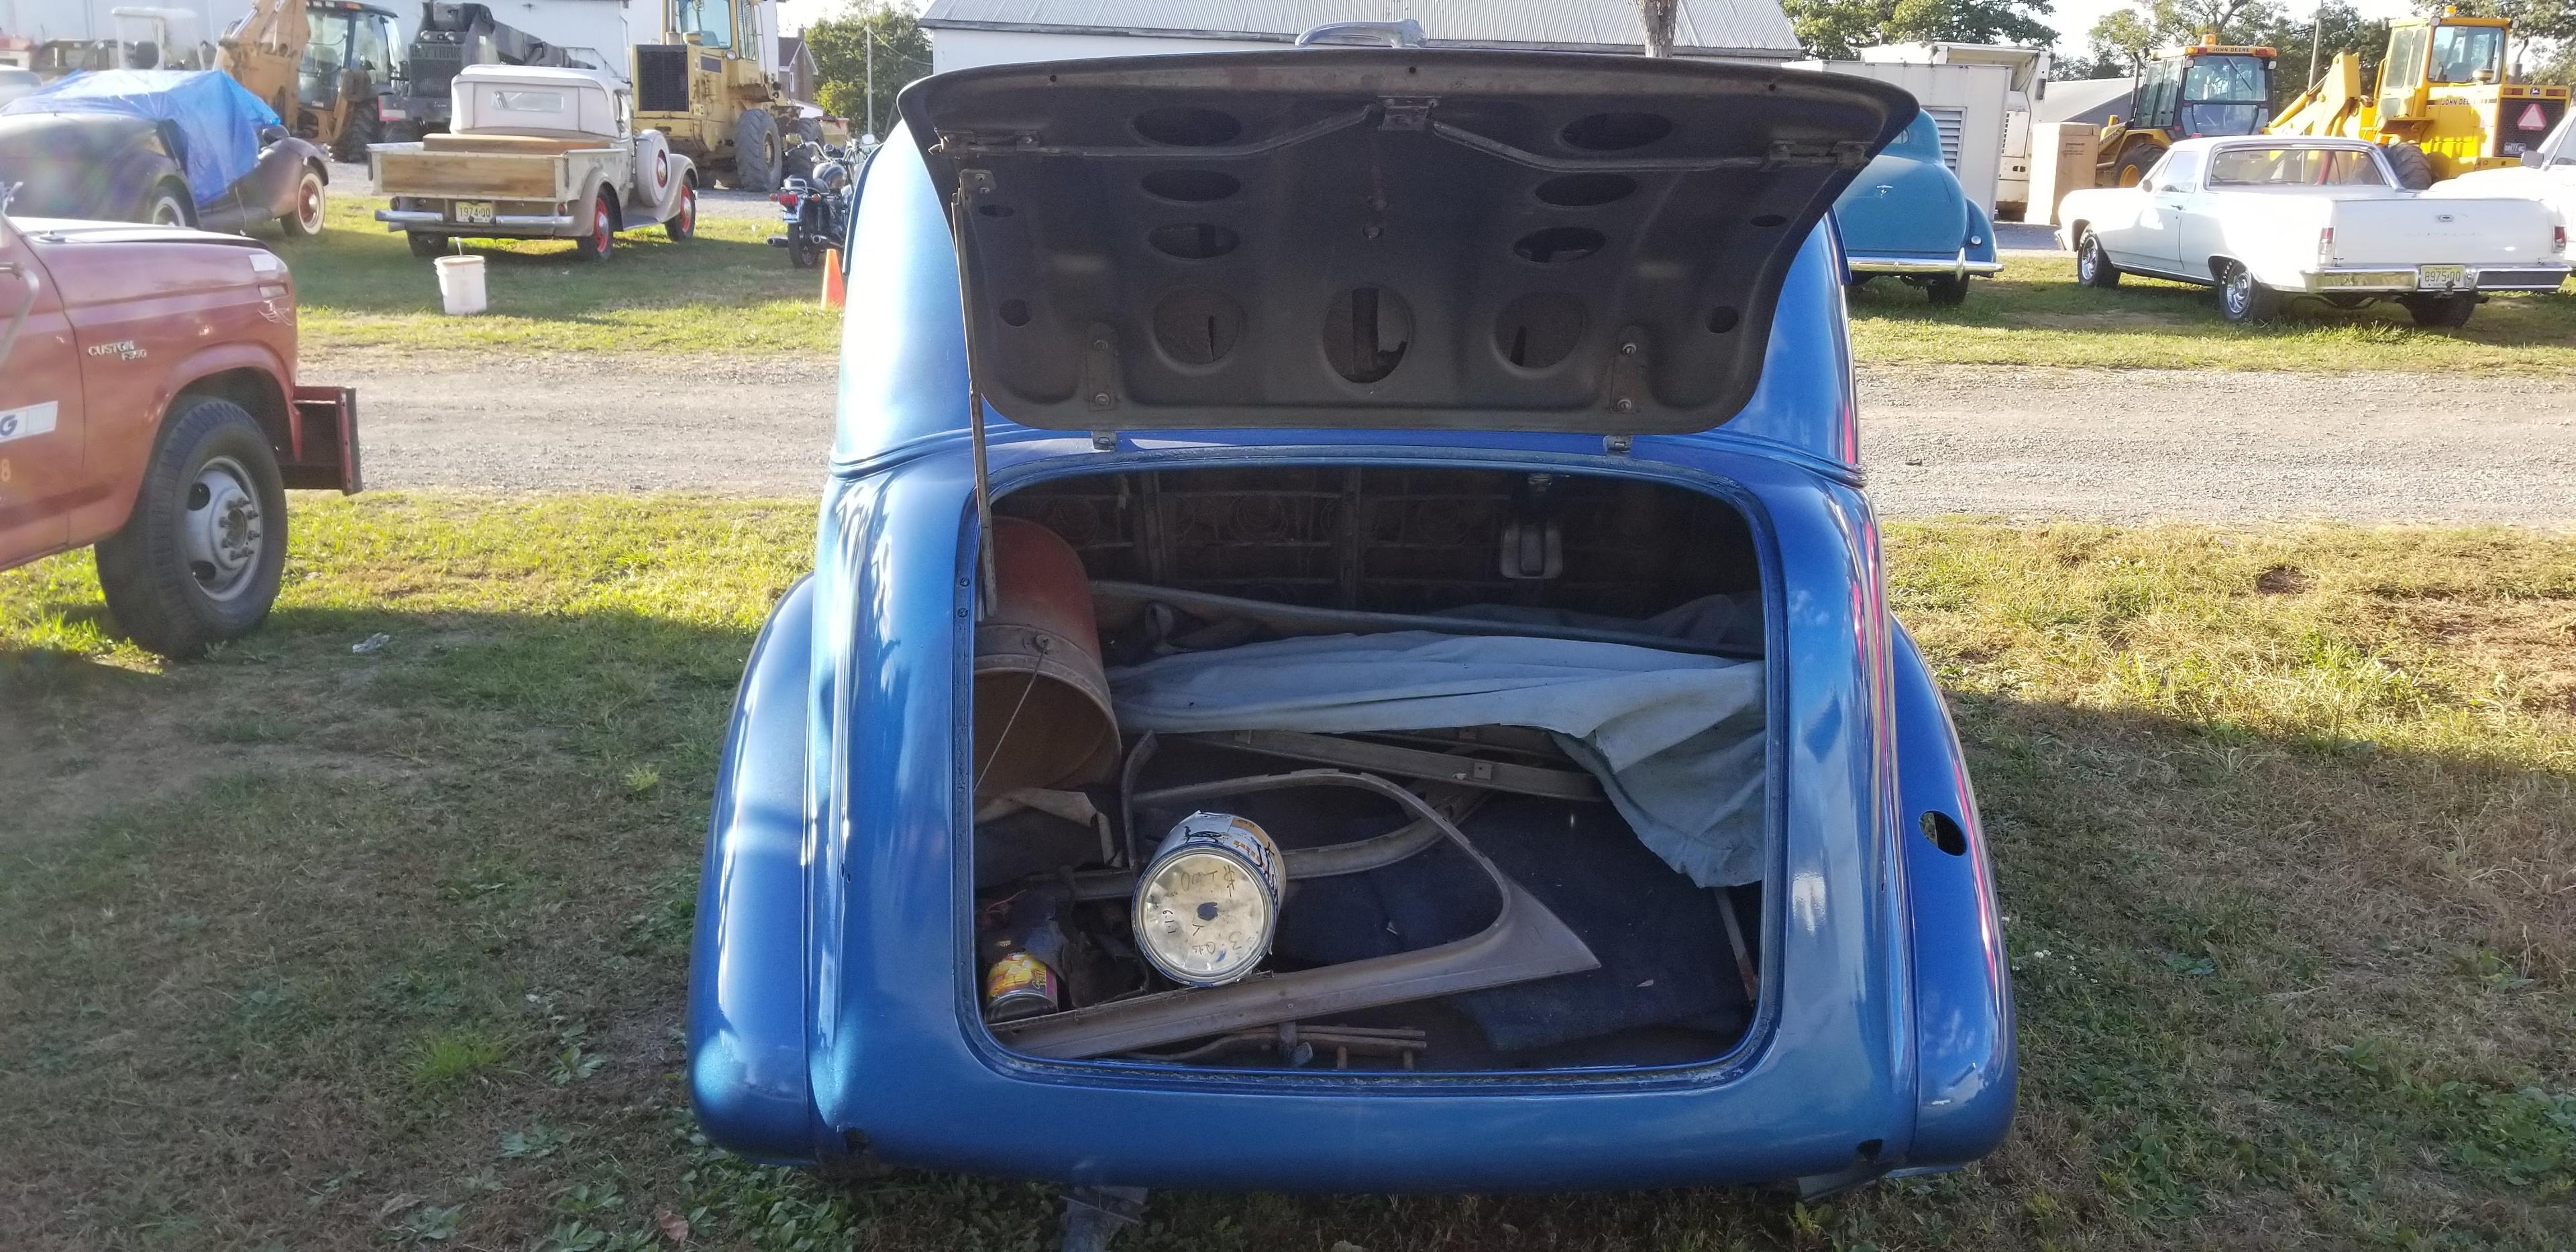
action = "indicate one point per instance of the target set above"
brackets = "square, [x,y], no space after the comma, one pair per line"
[2208,88]
[2443,105]
[711,87]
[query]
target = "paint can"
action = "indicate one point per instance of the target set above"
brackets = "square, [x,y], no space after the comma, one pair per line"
[1207,905]
[1020,985]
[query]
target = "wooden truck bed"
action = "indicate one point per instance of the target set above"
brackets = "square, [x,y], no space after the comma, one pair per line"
[470,172]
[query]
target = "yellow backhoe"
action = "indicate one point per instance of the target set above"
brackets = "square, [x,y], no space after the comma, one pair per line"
[2206,88]
[2443,105]
[320,63]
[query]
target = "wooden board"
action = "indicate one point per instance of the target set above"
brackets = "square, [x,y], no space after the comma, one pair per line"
[468,175]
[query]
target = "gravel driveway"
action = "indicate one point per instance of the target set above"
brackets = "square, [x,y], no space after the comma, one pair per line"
[2123,445]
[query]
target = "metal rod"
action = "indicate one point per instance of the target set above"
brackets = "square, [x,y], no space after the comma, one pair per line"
[987,590]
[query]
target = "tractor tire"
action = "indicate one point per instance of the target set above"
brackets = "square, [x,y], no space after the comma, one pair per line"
[2093,266]
[2135,164]
[2242,300]
[758,154]
[361,129]
[200,559]
[2448,311]
[601,239]
[426,247]
[2414,170]
[1948,291]
[312,205]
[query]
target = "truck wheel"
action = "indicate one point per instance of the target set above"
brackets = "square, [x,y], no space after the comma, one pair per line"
[2414,170]
[426,246]
[2241,299]
[595,245]
[168,206]
[682,225]
[1948,291]
[2093,266]
[312,198]
[2444,310]
[757,152]
[198,562]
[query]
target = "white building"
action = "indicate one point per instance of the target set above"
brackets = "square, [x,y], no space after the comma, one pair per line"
[1966,104]
[2029,70]
[968,33]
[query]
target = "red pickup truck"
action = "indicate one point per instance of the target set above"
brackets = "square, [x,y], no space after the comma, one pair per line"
[148,405]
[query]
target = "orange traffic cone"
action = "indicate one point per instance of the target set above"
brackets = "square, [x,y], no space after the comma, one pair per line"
[832,292]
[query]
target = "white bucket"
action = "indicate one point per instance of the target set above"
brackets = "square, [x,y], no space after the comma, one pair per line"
[460,284]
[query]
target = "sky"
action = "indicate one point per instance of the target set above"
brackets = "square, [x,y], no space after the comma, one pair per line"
[2075,17]
[2072,18]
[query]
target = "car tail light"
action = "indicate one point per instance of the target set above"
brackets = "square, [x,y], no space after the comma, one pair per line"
[2325,244]
[2558,239]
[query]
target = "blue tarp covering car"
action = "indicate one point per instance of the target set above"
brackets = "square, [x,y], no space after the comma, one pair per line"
[218,120]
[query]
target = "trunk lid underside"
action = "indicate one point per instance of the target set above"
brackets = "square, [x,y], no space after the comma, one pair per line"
[1384,238]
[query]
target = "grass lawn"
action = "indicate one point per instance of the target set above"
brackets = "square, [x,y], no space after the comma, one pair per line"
[2035,313]
[307,949]
[724,292]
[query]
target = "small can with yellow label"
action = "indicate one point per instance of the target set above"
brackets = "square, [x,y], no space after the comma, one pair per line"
[1020,985]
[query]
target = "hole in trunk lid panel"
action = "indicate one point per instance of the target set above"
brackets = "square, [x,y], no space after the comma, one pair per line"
[1227,558]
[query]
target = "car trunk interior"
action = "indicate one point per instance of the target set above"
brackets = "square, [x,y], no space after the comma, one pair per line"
[1335,655]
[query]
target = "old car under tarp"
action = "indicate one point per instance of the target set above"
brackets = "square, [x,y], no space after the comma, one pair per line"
[174,147]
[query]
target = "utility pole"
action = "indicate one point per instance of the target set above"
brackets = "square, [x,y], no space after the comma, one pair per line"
[2316,40]
[871,53]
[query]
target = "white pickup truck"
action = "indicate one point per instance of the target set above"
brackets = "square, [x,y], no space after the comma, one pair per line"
[536,153]
[2263,218]
[2547,174]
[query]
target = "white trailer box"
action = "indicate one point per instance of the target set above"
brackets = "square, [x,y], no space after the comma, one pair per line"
[1967,104]
[2029,69]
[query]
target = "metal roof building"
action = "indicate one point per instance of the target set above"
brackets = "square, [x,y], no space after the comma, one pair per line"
[965,33]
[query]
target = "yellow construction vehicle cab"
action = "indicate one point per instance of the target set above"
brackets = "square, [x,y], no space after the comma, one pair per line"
[2442,106]
[2208,88]
[714,95]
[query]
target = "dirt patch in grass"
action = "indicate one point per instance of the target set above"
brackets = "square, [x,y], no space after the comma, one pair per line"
[397,957]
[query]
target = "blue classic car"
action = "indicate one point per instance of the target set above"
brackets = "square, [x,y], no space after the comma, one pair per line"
[1905,215]
[1347,651]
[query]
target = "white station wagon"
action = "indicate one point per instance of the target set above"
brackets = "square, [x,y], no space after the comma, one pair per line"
[2263,218]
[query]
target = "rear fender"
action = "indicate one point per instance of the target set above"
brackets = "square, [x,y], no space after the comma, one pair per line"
[1981,234]
[748,1070]
[1965,1066]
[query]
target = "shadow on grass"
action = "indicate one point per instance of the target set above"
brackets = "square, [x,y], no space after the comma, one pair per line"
[311,1007]
[2043,296]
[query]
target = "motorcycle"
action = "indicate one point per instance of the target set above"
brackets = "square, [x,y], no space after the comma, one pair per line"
[815,208]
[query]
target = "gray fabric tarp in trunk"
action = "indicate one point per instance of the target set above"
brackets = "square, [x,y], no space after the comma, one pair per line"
[1676,739]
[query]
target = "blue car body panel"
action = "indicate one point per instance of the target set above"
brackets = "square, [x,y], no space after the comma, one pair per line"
[1906,213]
[834,1006]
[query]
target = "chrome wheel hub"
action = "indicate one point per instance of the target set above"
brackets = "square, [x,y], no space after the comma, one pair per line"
[223,532]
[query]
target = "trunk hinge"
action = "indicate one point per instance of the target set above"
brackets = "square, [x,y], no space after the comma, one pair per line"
[1627,385]
[1100,381]
[970,184]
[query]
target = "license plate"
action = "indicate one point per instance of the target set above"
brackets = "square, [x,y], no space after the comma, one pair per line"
[2441,277]
[479,211]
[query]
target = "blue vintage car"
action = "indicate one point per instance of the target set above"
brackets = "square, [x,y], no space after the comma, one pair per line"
[1349,653]
[1905,215]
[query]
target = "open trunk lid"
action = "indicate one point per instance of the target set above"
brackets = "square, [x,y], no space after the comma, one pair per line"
[1384,238]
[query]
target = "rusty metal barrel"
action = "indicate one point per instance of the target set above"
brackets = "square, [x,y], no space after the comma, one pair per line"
[1042,715]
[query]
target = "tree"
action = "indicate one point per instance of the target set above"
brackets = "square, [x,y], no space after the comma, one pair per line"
[2134,34]
[871,39]
[1835,29]
[2308,42]
[1657,17]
